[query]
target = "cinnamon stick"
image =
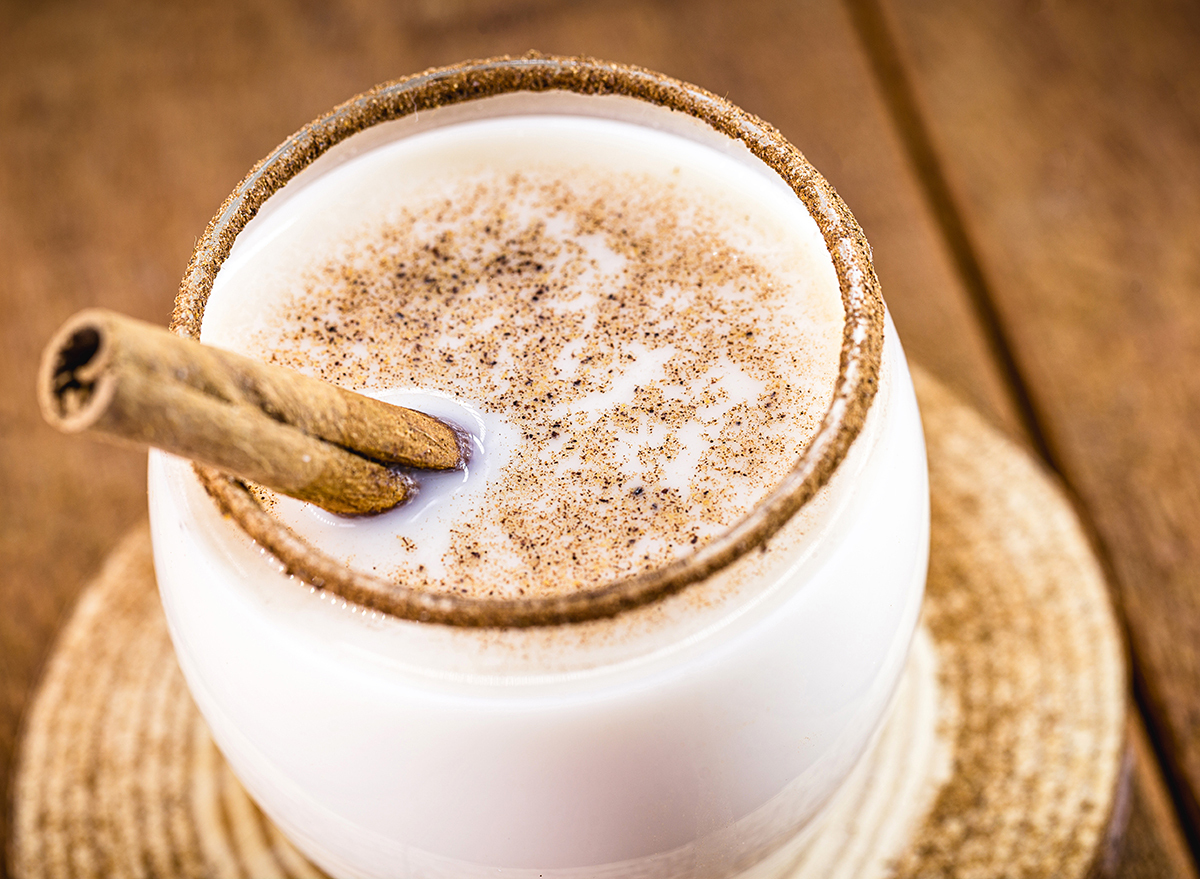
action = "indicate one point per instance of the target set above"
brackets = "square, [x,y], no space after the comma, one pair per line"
[113,375]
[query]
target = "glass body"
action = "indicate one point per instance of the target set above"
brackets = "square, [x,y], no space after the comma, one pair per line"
[695,736]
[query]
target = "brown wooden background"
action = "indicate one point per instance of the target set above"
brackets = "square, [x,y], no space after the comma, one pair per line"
[1028,173]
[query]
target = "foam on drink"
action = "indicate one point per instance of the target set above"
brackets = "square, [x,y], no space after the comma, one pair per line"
[641,333]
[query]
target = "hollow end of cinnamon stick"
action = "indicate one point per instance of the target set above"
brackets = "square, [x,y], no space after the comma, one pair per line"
[131,381]
[72,387]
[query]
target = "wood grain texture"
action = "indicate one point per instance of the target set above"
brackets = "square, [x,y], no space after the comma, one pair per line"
[1070,139]
[1151,845]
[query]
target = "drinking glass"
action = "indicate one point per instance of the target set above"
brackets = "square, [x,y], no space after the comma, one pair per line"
[676,723]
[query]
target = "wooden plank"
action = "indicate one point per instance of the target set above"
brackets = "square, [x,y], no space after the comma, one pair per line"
[1069,136]
[1152,844]
[123,126]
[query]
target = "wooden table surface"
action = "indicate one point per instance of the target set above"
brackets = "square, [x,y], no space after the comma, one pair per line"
[1028,174]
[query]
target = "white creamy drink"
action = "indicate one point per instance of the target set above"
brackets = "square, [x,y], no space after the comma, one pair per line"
[646,332]
[640,327]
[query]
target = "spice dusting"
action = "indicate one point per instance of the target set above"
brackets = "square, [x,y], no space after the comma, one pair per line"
[657,370]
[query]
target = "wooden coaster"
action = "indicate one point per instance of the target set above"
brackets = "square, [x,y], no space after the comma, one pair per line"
[1000,757]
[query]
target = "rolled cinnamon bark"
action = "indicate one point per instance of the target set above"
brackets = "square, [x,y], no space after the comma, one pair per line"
[110,374]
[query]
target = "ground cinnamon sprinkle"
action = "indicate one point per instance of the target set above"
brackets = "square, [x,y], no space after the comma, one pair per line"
[658,378]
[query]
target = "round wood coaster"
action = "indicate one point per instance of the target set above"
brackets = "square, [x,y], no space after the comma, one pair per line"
[1000,756]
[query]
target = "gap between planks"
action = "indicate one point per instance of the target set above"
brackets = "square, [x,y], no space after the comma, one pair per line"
[900,101]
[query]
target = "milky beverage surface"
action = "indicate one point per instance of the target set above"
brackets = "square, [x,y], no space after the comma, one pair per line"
[640,332]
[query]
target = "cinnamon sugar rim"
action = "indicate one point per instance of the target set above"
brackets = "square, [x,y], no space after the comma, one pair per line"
[854,389]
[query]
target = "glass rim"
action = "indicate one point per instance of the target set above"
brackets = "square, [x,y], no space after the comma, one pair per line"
[854,389]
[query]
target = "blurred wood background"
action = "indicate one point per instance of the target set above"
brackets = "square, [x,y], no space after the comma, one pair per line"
[1028,174]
